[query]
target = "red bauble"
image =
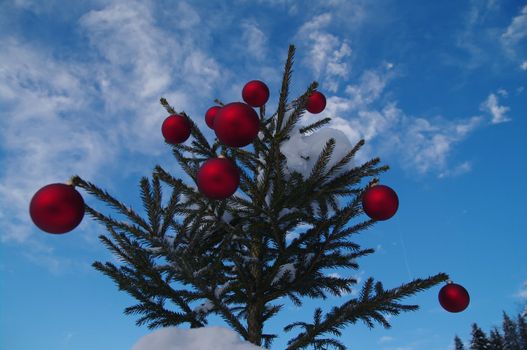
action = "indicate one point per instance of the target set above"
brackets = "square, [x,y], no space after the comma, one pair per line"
[176,129]
[255,93]
[218,178]
[210,115]
[236,124]
[57,208]
[316,102]
[453,297]
[380,202]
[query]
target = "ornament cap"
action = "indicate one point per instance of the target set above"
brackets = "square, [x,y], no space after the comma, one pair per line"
[449,282]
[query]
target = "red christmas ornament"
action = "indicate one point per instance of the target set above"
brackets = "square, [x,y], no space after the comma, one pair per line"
[176,129]
[380,202]
[57,208]
[316,102]
[236,124]
[255,93]
[210,115]
[218,178]
[453,297]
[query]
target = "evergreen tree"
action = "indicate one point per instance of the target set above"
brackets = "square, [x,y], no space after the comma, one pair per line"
[458,344]
[233,253]
[522,332]
[495,340]
[479,339]
[510,335]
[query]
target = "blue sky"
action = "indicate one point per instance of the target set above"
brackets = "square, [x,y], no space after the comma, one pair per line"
[437,89]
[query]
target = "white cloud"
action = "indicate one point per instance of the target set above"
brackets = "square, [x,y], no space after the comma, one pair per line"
[370,87]
[421,144]
[522,293]
[327,53]
[430,142]
[67,338]
[385,339]
[206,338]
[517,30]
[498,113]
[255,39]
[471,38]
[523,66]
[188,18]
[141,62]
[98,116]
[462,168]
[502,92]
[290,5]
[126,37]
[43,100]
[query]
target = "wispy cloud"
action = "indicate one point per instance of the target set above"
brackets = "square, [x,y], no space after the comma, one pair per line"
[44,99]
[63,115]
[523,65]
[67,337]
[522,293]
[418,143]
[327,52]
[517,29]
[473,37]
[462,168]
[498,113]
[385,339]
[254,39]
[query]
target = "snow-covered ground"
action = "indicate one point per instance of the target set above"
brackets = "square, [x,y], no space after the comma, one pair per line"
[172,338]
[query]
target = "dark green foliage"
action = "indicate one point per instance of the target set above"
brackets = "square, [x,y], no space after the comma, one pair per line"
[522,332]
[510,334]
[230,254]
[495,340]
[479,340]
[458,344]
[514,335]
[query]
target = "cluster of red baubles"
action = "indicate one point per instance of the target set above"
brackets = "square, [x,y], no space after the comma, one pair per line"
[236,125]
[59,208]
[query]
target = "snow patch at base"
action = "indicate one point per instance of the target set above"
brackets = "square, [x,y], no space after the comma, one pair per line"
[172,338]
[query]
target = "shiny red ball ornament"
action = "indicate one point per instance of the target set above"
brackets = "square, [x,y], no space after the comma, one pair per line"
[210,115]
[57,208]
[380,202]
[218,178]
[236,124]
[255,93]
[453,297]
[176,129]
[316,102]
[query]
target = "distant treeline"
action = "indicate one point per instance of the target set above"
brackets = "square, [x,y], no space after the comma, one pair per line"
[513,336]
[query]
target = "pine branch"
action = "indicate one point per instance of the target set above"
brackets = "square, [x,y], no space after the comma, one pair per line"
[284,91]
[191,171]
[347,158]
[322,161]
[315,126]
[365,309]
[105,196]
[150,202]
[297,113]
[194,130]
